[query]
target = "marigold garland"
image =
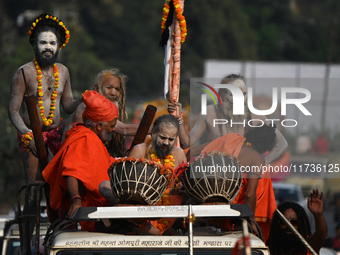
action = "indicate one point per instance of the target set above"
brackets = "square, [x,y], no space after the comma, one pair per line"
[169,165]
[179,15]
[181,19]
[59,22]
[46,121]
[166,10]
[26,138]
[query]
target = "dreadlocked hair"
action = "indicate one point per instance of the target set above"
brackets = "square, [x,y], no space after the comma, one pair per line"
[116,146]
[304,228]
[262,138]
[232,77]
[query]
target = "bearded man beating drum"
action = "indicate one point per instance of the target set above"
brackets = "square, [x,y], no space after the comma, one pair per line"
[162,150]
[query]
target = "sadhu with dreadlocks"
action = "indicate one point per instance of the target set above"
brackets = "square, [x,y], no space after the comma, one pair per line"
[283,241]
[111,84]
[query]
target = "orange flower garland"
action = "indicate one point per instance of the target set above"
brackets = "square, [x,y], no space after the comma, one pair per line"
[169,164]
[166,10]
[60,23]
[26,138]
[179,15]
[181,19]
[46,121]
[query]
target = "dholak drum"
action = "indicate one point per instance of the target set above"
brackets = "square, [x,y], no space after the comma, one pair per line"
[137,181]
[214,177]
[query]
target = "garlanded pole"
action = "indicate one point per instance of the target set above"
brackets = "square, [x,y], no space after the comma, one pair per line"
[174,32]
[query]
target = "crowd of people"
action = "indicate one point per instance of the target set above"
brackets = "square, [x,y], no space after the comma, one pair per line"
[82,147]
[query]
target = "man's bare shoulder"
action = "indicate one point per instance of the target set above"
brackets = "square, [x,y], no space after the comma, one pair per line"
[177,150]
[62,68]
[28,67]
[139,150]
[29,71]
[179,153]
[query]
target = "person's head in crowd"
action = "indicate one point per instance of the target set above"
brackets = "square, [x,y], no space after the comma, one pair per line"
[164,134]
[48,35]
[100,115]
[281,237]
[261,138]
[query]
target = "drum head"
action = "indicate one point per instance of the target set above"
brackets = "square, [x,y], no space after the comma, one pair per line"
[214,177]
[137,182]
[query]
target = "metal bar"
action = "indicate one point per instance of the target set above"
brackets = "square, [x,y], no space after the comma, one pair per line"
[26,216]
[245,237]
[19,215]
[299,236]
[191,231]
[37,226]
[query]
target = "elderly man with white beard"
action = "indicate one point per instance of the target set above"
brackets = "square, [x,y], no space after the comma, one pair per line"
[111,84]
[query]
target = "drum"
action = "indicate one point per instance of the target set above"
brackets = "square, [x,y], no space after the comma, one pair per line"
[213,177]
[137,181]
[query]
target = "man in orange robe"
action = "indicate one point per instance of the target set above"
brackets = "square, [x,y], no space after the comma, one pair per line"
[75,172]
[256,189]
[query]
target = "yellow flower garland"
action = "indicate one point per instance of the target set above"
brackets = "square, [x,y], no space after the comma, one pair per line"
[166,10]
[179,15]
[182,22]
[59,22]
[26,138]
[169,162]
[46,121]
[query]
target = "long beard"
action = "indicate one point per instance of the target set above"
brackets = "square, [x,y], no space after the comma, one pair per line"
[287,241]
[227,108]
[161,152]
[105,136]
[46,62]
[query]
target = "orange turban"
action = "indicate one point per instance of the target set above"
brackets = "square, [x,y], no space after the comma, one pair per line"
[98,107]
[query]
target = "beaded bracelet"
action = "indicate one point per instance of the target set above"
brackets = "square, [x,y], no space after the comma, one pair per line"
[26,138]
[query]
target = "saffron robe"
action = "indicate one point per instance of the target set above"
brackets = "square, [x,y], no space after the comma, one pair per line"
[232,143]
[83,156]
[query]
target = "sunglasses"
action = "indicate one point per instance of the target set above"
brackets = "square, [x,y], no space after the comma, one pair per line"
[294,222]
